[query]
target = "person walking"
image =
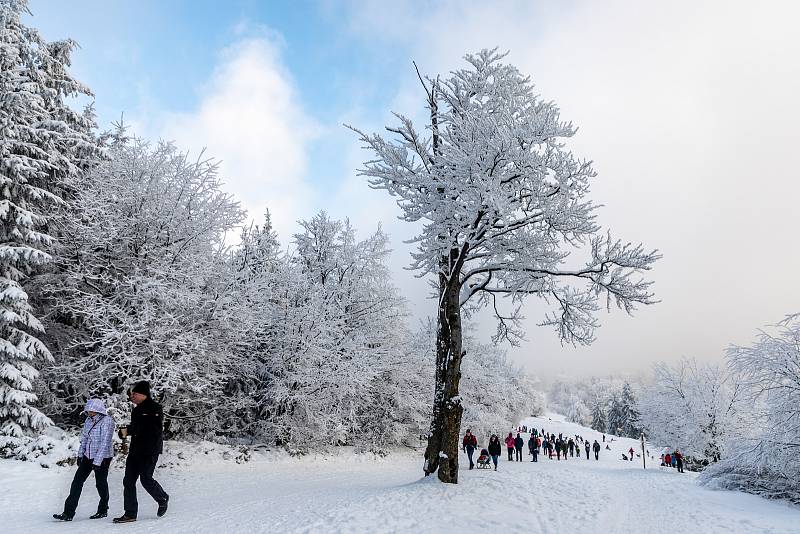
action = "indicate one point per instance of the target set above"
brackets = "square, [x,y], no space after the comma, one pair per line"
[532,450]
[678,460]
[596,448]
[494,449]
[631,452]
[147,442]
[571,445]
[94,455]
[558,449]
[518,444]
[469,444]
[510,446]
[587,447]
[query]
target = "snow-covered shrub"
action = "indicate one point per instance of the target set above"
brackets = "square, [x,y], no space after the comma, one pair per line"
[52,446]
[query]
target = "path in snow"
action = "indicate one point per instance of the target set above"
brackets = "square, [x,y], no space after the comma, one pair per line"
[337,495]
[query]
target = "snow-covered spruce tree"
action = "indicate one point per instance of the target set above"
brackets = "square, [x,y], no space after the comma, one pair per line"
[142,280]
[763,456]
[503,202]
[43,147]
[692,407]
[622,416]
[599,419]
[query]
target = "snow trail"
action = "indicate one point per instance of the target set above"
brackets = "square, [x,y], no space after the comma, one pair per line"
[357,495]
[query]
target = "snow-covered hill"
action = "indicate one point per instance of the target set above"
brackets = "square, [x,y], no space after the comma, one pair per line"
[360,494]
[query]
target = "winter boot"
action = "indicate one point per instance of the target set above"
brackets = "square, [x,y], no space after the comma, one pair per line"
[124,518]
[98,515]
[62,517]
[162,508]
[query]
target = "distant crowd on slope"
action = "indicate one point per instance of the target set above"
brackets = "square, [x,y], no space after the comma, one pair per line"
[539,442]
[550,444]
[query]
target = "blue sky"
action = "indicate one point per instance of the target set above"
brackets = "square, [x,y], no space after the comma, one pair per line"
[687,109]
[147,55]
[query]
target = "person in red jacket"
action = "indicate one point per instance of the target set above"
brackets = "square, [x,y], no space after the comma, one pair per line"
[469,444]
[510,446]
[679,460]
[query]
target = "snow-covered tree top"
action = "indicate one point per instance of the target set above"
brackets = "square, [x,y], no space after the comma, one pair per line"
[503,201]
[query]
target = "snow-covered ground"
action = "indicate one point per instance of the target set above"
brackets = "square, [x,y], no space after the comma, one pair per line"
[361,494]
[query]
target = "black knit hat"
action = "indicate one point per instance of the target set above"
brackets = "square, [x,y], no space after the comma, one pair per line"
[143,387]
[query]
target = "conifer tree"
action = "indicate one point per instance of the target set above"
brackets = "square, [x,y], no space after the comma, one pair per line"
[43,147]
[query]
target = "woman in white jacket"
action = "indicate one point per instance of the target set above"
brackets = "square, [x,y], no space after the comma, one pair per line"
[95,454]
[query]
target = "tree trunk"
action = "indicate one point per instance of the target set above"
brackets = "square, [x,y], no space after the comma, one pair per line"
[442,450]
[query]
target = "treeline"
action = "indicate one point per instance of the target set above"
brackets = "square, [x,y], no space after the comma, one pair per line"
[737,420]
[123,260]
[606,404]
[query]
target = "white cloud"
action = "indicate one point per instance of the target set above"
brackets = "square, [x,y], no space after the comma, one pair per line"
[250,118]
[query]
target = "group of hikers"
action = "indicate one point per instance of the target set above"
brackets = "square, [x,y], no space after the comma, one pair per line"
[96,452]
[672,459]
[538,442]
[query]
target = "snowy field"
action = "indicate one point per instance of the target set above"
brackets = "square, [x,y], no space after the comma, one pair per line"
[360,494]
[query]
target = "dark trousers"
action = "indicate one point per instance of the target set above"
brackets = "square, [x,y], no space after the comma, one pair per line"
[587,454]
[470,450]
[510,454]
[142,468]
[596,455]
[680,467]
[495,457]
[85,468]
[535,453]
[519,453]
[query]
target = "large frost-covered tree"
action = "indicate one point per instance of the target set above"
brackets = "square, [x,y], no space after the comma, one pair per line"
[43,148]
[141,280]
[503,203]
[764,457]
[330,348]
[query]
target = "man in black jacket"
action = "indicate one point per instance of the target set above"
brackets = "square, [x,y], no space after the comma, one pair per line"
[146,432]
